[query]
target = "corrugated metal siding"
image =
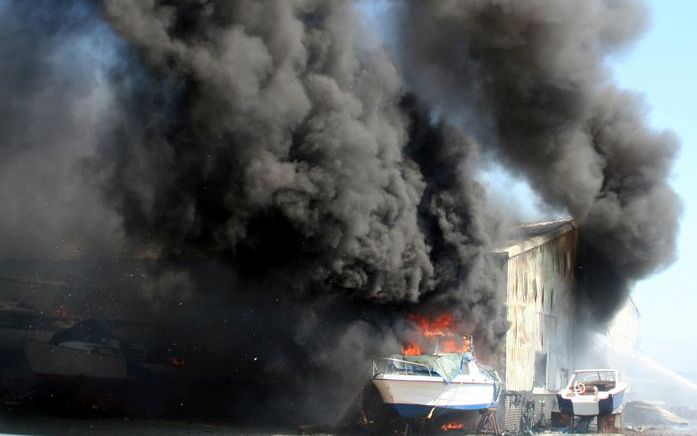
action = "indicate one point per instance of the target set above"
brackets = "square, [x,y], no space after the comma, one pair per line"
[541,306]
[515,404]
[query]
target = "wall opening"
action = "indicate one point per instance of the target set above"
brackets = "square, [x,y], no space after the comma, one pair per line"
[540,380]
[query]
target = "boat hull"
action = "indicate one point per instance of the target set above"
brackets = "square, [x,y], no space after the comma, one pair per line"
[47,359]
[414,396]
[588,405]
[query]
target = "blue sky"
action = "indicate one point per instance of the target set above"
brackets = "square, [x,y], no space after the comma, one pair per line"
[662,66]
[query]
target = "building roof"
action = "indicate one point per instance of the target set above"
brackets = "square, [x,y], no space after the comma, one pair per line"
[528,236]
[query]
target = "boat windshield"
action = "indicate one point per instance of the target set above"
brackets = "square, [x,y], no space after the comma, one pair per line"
[603,380]
[447,366]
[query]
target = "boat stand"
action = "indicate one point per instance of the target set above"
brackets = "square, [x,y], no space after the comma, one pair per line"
[610,423]
[415,427]
[581,423]
[487,422]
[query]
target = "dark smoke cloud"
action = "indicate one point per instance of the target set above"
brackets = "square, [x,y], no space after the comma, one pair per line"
[269,137]
[531,79]
[291,194]
[264,164]
[461,225]
[282,149]
[53,100]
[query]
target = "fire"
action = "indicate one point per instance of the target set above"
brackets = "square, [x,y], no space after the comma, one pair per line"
[449,346]
[441,333]
[412,349]
[452,426]
[62,312]
[441,325]
[176,361]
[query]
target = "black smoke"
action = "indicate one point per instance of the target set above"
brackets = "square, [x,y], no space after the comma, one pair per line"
[290,152]
[287,151]
[532,80]
[294,191]
[281,148]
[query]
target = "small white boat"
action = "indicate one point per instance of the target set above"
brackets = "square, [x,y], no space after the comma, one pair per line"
[75,359]
[87,349]
[592,392]
[426,385]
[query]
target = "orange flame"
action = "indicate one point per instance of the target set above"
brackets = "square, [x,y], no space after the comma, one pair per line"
[412,349]
[449,346]
[441,325]
[62,312]
[440,332]
[176,361]
[452,426]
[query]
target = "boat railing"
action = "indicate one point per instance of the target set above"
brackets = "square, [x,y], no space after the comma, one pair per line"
[390,365]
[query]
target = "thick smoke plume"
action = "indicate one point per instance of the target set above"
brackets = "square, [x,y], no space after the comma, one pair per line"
[531,79]
[296,189]
[283,148]
[270,161]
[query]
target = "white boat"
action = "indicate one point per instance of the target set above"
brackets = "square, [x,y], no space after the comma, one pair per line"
[425,385]
[75,359]
[87,349]
[592,392]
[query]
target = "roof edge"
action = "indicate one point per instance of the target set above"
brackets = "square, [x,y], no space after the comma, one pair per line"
[526,244]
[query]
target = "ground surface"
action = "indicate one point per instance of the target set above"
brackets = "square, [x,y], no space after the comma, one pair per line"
[27,424]
[41,425]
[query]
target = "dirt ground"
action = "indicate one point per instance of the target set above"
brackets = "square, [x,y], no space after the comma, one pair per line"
[32,424]
[42,425]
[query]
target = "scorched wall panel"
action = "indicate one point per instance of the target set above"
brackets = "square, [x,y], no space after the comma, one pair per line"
[541,312]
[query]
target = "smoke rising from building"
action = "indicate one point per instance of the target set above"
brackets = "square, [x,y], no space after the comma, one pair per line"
[285,149]
[330,183]
[531,78]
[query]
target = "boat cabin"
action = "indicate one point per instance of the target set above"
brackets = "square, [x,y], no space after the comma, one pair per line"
[589,381]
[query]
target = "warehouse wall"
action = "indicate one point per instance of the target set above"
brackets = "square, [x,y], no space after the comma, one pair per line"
[541,311]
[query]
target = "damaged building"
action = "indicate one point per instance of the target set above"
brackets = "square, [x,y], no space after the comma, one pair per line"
[540,350]
[540,297]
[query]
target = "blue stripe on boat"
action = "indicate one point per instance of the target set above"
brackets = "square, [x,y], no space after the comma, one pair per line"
[414,410]
[617,400]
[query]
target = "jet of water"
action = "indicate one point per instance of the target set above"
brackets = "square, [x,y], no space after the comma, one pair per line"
[625,353]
